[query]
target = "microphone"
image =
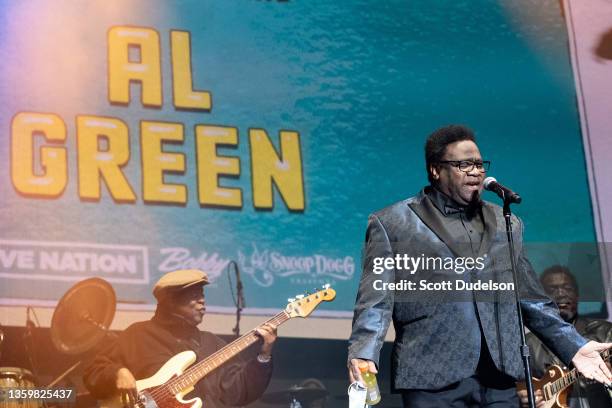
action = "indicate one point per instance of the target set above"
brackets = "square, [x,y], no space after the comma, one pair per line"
[491,184]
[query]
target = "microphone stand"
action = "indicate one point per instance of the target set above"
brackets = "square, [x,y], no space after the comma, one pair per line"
[240,303]
[28,342]
[524,346]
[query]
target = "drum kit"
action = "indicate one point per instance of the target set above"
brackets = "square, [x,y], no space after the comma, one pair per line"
[79,323]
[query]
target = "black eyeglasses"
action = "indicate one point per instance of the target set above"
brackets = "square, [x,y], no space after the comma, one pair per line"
[468,165]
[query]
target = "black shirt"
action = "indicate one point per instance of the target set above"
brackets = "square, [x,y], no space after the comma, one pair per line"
[465,226]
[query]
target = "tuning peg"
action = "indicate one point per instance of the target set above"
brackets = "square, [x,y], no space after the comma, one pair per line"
[299,297]
[291,300]
[326,286]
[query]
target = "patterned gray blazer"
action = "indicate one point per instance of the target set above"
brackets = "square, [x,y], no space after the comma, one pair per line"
[438,336]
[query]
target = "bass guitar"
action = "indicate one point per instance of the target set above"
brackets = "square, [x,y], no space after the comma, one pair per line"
[177,377]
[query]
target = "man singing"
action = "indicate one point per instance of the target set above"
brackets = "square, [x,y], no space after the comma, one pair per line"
[460,351]
[144,347]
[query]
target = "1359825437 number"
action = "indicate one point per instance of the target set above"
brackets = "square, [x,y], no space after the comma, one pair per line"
[47,394]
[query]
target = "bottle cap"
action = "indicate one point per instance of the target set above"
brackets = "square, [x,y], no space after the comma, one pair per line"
[364,367]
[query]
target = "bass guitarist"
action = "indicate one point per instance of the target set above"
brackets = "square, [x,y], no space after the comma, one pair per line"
[144,347]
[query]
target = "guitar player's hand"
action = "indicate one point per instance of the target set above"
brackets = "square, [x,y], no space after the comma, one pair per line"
[268,334]
[355,374]
[539,400]
[126,386]
[589,363]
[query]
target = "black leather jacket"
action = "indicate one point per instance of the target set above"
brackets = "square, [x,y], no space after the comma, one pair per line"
[542,357]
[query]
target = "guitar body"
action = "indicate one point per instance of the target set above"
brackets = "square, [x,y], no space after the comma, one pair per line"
[553,373]
[146,387]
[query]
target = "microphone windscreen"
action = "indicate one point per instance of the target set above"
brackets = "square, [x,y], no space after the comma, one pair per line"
[487,183]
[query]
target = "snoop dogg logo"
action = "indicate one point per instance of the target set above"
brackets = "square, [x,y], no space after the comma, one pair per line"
[266,266]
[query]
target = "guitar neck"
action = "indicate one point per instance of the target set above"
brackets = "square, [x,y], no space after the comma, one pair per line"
[571,377]
[301,306]
[198,371]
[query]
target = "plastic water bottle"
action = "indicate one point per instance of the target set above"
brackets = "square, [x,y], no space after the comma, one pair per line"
[369,379]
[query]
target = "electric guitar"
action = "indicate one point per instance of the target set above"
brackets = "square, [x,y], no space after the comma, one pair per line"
[166,388]
[556,386]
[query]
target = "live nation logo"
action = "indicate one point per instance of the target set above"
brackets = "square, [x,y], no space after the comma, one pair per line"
[73,261]
[266,266]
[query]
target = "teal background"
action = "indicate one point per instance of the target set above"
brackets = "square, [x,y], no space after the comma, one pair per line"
[363,82]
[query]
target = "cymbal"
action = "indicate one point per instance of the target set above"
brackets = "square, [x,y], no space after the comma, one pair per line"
[83,315]
[302,394]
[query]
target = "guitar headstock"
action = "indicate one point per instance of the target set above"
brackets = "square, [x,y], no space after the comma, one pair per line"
[303,305]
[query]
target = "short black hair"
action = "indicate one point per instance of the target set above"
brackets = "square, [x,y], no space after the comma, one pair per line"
[559,269]
[435,147]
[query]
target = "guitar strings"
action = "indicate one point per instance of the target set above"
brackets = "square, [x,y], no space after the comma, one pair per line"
[164,391]
[278,319]
[559,384]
